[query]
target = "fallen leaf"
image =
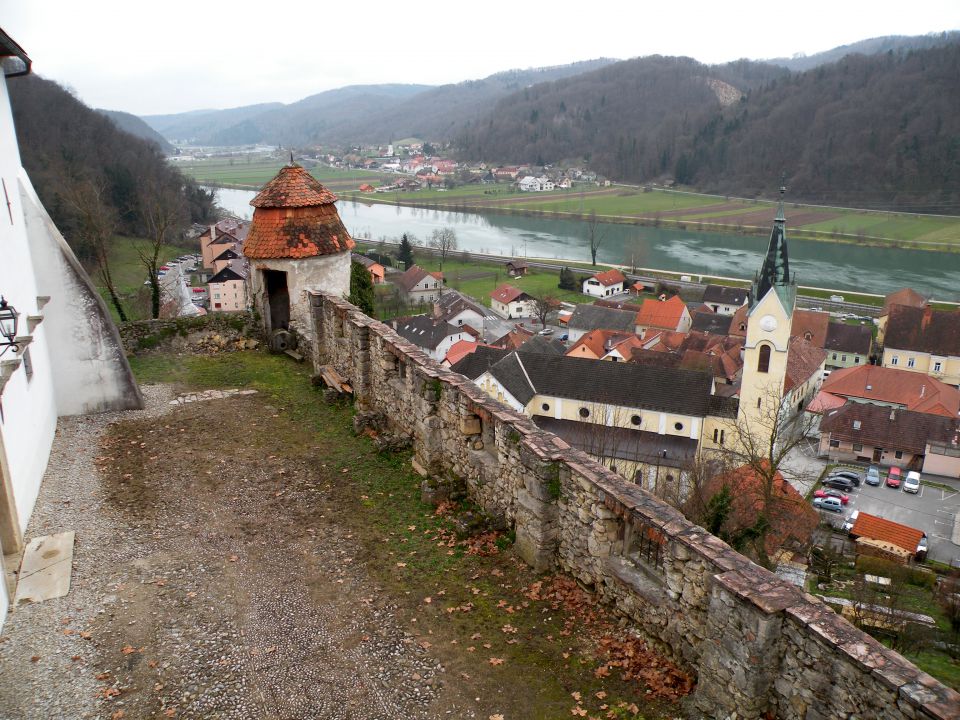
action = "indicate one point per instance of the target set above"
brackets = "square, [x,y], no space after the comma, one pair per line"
[576,696]
[495,661]
[578,711]
[35,658]
[128,649]
[600,695]
[428,600]
[117,715]
[498,716]
[233,558]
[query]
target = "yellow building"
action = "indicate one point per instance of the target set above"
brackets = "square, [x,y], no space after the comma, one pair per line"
[923,340]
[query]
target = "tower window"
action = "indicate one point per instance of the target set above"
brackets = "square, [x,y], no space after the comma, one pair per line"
[763,361]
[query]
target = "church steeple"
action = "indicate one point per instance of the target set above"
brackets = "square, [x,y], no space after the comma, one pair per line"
[775,271]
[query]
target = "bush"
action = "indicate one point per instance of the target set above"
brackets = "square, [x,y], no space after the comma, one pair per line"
[921,577]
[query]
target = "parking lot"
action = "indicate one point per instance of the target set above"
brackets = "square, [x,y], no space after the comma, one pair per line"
[933,510]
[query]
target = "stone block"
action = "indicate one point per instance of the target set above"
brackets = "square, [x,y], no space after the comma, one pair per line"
[470,425]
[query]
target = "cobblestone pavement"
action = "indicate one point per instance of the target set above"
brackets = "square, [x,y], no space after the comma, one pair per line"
[215,588]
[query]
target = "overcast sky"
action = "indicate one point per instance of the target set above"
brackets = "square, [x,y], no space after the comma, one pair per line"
[174,56]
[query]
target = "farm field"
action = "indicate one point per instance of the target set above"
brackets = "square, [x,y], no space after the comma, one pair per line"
[617,204]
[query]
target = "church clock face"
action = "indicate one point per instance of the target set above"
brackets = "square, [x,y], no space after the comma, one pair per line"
[768,323]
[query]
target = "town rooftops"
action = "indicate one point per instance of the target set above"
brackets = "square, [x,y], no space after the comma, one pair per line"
[910,390]
[600,342]
[233,271]
[610,277]
[683,392]
[593,317]
[507,294]
[855,339]
[888,427]
[363,260]
[877,528]
[453,302]
[725,295]
[293,187]
[711,322]
[661,314]
[423,331]
[228,254]
[923,329]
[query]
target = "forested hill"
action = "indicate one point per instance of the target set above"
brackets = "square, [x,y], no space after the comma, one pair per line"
[135,126]
[78,158]
[877,131]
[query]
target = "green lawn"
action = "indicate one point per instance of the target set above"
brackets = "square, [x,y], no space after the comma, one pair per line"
[256,172]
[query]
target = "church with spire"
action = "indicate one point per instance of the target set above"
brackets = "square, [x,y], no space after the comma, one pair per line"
[781,371]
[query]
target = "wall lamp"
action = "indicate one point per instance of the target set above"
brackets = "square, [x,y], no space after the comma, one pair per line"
[8,326]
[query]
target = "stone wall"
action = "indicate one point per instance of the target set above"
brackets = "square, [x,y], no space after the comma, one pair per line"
[757,644]
[215,332]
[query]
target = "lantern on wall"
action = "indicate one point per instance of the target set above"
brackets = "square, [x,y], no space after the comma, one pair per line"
[8,326]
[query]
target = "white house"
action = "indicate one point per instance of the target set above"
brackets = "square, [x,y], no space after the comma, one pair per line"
[510,302]
[605,284]
[458,309]
[535,184]
[67,358]
[419,285]
[725,300]
[435,337]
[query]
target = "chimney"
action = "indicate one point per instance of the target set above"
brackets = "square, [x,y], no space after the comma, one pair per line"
[893,414]
[213,233]
[927,317]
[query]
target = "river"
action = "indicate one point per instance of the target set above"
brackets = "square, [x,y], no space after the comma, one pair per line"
[818,264]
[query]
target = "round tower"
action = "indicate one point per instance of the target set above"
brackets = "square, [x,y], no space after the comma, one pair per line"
[297,244]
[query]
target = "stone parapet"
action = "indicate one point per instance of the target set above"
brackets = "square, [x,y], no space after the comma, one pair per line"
[758,645]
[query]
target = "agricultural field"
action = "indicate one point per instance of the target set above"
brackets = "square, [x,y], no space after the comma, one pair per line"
[253,173]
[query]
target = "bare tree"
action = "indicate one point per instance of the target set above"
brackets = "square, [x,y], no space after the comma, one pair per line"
[96,225]
[542,306]
[444,240]
[163,211]
[762,445]
[595,235]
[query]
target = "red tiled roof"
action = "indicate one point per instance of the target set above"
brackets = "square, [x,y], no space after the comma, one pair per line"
[877,528]
[810,325]
[610,277]
[666,314]
[914,391]
[597,343]
[923,330]
[803,360]
[293,187]
[460,350]
[825,401]
[298,232]
[507,294]
[905,296]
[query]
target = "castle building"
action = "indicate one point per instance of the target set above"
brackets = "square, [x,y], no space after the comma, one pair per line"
[296,244]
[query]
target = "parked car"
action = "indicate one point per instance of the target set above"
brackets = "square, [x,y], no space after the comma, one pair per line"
[922,549]
[546,331]
[828,503]
[849,522]
[839,483]
[873,475]
[851,475]
[565,337]
[844,499]
[894,477]
[912,483]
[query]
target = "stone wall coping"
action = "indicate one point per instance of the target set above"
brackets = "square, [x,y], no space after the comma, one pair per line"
[738,575]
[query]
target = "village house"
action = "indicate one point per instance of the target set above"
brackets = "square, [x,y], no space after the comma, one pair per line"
[599,344]
[63,355]
[725,300]
[458,309]
[376,270]
[435,337]
[891,387]
[669,314]
[604,284]
[888,436]
[225,259]
[705,320]
[923,340]
[906,297]
[420,286]
[595,317]
[517,268]
[228,288]
[878,537]
[219,236]
[848,345]
[535,184]
[511,302]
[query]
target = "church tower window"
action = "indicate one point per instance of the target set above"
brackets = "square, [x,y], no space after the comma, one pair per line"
[763,360]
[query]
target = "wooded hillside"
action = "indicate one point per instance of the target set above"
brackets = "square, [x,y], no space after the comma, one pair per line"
[78,158]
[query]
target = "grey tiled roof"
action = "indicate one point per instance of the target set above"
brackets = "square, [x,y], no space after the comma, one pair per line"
[673,390]
[595,317]
[423,331]
[479,361]
[724,295]
[711,322]
[849,338]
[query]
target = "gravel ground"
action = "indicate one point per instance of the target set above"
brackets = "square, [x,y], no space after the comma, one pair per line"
[204,585]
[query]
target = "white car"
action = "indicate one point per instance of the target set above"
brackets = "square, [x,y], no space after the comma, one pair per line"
[912,483]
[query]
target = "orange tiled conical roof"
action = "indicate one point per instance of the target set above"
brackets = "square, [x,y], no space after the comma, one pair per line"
[295,217]
[293,187]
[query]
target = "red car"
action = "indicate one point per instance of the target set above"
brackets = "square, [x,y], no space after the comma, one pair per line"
[844,499]
[893,477]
